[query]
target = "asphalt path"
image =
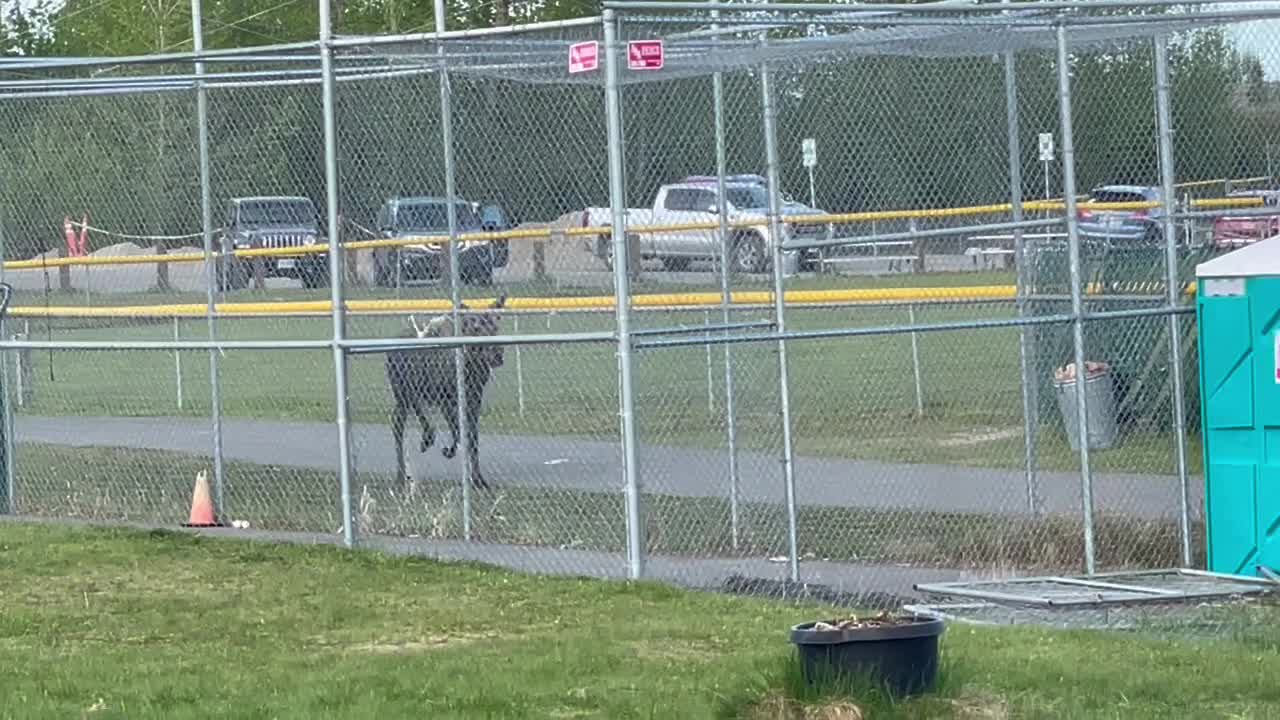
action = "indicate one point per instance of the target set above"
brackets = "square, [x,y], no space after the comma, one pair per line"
[567,462]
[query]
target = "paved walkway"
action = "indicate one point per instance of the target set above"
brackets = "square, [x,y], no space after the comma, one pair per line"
[572,463]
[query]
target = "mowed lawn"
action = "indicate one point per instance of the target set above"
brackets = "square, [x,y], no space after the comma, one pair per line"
[115,623]
[852,397]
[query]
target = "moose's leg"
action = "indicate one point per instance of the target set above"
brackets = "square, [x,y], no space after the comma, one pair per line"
[450,409]
[473,436]
[428,432]
[398,417]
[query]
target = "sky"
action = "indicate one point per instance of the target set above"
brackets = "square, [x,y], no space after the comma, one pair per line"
[1259,37]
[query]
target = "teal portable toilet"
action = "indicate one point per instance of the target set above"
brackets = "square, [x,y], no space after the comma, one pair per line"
[1238,324]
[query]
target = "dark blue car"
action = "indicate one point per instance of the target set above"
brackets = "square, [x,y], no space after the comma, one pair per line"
[406,218]
[1122,228]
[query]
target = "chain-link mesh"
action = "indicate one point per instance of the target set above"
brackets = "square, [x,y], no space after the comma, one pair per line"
[930,430]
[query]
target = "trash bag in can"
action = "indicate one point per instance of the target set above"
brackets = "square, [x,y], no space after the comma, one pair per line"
[1100,394]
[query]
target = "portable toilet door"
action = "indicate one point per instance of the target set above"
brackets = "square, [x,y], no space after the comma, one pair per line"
[1238,326]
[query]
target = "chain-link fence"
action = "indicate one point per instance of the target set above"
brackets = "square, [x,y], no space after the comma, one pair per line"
[858,251]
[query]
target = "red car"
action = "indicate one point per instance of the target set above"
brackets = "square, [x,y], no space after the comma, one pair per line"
[1233,232]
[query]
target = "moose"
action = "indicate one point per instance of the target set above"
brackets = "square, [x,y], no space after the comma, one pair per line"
[421,378]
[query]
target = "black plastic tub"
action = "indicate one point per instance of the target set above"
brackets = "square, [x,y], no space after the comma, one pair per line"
[901,657]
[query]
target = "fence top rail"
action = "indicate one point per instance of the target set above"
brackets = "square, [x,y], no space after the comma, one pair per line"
[281,52]
[544,304]
[353,345]
[191,80]
[924,8]
[714,338]
[1084,29]
[345,41]
[655,302]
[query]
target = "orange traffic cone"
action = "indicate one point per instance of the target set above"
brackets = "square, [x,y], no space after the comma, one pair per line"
[202,505]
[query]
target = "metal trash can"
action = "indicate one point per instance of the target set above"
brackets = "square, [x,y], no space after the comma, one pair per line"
[1101,411]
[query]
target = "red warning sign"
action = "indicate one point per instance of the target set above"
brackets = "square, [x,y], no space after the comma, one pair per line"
[644,55]
[584,57]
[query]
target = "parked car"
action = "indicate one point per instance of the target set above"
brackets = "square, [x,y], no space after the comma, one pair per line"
[1233,232]
[411,217]
[1122,228]
[271,222]
[694,200]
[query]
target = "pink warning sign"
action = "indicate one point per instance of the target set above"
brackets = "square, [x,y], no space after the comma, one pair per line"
[584,57]
[644,55]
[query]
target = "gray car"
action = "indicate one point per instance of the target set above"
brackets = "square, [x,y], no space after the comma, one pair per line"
[1122,228]
[407,218]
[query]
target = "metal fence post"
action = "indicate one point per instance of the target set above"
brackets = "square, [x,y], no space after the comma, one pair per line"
[8,483]
[915,361]
[26,375]
[338,309]
[726,302]
[455,272]
[211,274]
[1164,122]
[515,330]
[711,383]
[1077,309]
[20,375]
[622,291]
[779,302]
[177,362]
[1026,349]
[7,425]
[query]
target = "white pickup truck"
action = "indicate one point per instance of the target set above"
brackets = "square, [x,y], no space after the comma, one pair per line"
[694,200]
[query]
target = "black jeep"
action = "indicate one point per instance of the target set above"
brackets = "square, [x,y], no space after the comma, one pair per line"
[271,222]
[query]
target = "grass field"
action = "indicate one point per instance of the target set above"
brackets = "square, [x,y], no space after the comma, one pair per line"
[850,397]
[108,624]
[108,484]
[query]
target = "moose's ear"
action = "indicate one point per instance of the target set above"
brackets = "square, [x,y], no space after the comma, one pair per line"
[500,302]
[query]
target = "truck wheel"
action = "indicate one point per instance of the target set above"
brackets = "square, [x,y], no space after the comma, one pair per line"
[1153,237]
[501,251]
[384,270]
[314,275]
[232,275]
[749,255]
[476,272]
[604,251]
